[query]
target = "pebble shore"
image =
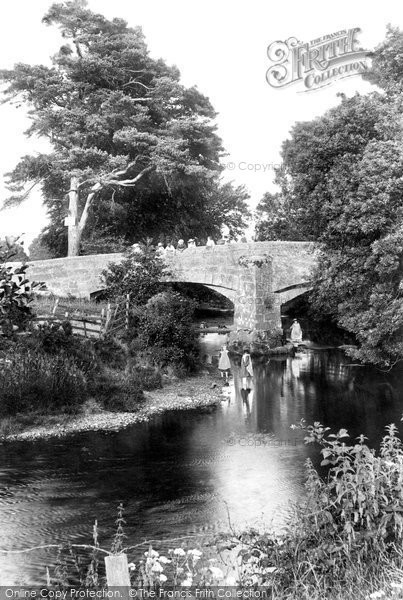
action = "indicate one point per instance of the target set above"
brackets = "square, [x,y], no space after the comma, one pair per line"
[192,393]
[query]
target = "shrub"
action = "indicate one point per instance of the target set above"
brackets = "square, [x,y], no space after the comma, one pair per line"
[139,275]
[166,331]
[120,392]
[15,295]
[55,338]
[345,538]
[32,381]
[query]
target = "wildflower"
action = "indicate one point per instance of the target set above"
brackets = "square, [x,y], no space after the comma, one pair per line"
[164,560]
[188,581]
[195,554]
[270,569]
[131,566]
[151,554]
[216,572]
[179,552]
[157,568]
[163,578]
[378,594]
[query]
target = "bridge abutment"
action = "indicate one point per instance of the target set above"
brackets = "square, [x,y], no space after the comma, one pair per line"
[256,277]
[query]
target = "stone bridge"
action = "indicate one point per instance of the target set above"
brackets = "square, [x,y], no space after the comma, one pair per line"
[257,277]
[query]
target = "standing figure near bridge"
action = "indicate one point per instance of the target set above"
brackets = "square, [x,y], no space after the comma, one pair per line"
[224,364]
[246,370]
[296,332]
[210,242]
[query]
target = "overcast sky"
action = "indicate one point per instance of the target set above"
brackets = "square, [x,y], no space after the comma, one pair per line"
[218,45]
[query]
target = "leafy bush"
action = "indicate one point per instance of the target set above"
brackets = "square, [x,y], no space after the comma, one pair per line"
[55,338]
[345,538]
[120,392]
[166,331]
[32,381]
[139,275]
[111,352]
[15,295]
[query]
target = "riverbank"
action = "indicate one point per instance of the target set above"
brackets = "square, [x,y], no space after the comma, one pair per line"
[181,394]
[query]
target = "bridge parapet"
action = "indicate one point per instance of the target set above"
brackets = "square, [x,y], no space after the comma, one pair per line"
[255,276]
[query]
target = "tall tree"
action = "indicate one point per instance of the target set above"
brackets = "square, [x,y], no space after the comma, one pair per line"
[116,120]
[341,183]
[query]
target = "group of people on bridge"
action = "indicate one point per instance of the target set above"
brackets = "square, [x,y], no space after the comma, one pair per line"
[170,249]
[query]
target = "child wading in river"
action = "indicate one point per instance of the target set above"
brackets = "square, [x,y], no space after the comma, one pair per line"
[224,364]
[246,372]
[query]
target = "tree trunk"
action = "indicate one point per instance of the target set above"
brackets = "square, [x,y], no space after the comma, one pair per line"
[74,233]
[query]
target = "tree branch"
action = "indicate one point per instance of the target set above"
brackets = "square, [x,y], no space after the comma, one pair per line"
[90,198]
[130,182]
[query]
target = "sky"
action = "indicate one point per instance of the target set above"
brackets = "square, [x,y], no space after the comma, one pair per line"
[218,45]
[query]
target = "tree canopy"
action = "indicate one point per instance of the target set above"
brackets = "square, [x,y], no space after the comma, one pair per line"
[128,141]
[341,185]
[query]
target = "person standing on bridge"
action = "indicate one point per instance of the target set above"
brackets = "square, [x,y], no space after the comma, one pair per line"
[170,250]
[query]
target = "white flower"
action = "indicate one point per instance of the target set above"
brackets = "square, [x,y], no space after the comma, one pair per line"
[151,554]
[398,586]
[195,553]
[270,570]
[179,552]
[164,560]
[188,581]
[157,568]
[230,581]
[163,578]
[216,572]
[131,566]
[379,594]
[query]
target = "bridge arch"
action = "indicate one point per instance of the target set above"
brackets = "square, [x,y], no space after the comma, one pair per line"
[257,277]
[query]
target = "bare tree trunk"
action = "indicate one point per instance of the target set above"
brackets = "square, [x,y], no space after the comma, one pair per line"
[74,233]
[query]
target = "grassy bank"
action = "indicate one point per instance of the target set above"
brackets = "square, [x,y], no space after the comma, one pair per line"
[181,394]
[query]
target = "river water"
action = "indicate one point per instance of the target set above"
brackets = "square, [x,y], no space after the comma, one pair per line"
[184,473]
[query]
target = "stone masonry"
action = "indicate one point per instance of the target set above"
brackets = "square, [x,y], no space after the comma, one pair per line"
[256,277]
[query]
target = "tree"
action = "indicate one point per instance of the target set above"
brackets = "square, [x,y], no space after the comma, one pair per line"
[166,331]
[39,250]
[117,121]
[276,220]
[342,187]
[139,275]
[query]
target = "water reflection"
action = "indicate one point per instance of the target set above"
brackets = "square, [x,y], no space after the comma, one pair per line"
[178,474]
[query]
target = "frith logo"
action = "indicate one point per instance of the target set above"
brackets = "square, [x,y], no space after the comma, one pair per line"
[317,63]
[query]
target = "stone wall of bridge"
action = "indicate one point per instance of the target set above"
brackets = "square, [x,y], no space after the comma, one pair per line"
[256,277]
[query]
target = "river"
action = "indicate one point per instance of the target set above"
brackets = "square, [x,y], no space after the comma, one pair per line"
[184,473]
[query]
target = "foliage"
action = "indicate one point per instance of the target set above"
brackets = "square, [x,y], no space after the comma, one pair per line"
[139,275]
[345,535]
[32,381]
[341,186]
[15,293]
[13,249]
[39,250]
[130,145]
[119,391]
[166,332]
[276,219]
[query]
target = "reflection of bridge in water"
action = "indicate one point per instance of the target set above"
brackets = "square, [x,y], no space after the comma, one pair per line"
[257,277]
